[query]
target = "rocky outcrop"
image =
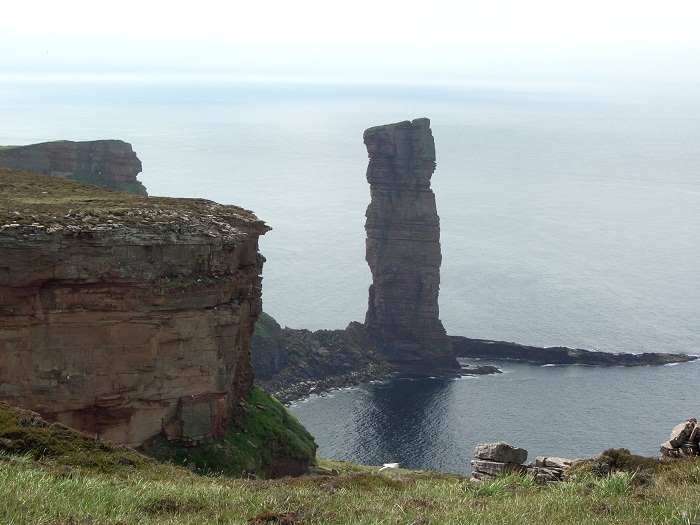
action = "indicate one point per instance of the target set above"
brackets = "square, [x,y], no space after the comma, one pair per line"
[292,363]
[107,163]
[125,316]
[403,248]
[684,440]
[492,460]
[558,355]
[315,362]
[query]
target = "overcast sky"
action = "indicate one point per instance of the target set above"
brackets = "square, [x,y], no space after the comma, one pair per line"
[394,40]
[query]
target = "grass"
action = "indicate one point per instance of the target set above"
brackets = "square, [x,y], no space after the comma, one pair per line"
[359,495]
[54,486]
[27,199]
[266,328]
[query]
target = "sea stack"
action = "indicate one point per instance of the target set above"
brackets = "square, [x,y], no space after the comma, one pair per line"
[403,249]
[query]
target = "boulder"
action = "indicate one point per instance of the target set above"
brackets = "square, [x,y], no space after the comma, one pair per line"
[501,452]
[681,433]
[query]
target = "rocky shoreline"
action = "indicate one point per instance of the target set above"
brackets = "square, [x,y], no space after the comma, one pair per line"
[293,364]
[558,355]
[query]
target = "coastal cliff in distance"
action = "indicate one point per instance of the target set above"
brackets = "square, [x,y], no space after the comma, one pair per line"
[125,316]
[403,248]
[106,163]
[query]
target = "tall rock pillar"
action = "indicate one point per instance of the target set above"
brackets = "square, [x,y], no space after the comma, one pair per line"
[403,248]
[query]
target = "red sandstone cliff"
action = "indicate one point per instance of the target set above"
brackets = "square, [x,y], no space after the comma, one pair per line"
[122,315]
[403,248]
[107,163]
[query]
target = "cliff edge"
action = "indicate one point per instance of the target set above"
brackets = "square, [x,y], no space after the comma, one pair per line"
[125,316]
[106,163]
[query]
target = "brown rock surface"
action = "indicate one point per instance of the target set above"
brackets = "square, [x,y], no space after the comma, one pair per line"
[122,315]
[107,163]
[403,248]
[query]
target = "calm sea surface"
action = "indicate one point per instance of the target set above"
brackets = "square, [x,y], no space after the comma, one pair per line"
[569,216]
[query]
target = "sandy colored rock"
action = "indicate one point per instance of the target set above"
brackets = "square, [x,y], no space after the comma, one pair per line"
[501,452]
[495,468]
[553,462]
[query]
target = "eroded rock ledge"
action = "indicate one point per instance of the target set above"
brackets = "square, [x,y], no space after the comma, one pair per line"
[122,315]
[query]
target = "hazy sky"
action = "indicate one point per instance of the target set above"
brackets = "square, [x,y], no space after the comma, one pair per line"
[363,39]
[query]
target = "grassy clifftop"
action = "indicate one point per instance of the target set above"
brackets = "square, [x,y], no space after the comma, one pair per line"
[27,199]
[52,475]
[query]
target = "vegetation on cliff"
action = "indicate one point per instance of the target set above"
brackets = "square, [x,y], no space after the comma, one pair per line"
[265,441]
[50,203]
[60,477]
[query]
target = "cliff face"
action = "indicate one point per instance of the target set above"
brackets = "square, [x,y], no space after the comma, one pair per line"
[107,163]
[403,247]
[125,316]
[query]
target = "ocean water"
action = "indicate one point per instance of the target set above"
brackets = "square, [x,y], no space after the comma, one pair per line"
[569,216]
[564,411]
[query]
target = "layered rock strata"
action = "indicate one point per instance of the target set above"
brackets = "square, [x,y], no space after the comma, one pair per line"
[107,163]
[684,440]
[125,316]
[403,248]
[492,460]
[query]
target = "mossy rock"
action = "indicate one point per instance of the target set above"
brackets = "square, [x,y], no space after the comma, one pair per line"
[265,441]
[25,433]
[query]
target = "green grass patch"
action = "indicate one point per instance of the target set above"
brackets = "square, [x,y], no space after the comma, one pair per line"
[358,495]
[266,328]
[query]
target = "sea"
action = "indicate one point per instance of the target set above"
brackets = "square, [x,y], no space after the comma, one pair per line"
[570,216]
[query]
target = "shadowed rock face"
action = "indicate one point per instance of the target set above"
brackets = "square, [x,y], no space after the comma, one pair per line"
[107,163]
[403,248]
